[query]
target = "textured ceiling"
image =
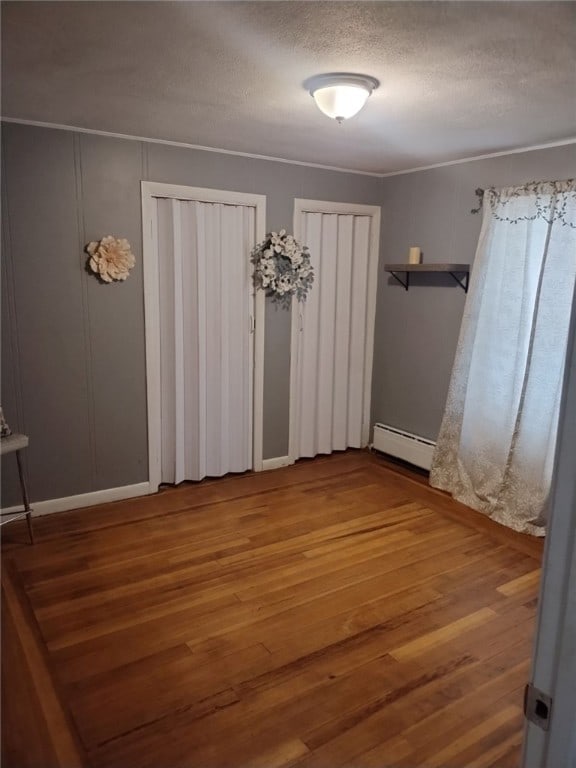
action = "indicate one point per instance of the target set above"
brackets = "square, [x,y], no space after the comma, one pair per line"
[458,78]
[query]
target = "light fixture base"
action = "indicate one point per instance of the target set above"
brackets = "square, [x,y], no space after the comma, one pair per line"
[341,78]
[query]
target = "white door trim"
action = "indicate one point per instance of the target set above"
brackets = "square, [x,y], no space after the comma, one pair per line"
[553,664]
[351,209]
[151,190]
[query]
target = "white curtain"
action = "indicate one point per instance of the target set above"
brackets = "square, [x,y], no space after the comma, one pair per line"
[332,344]
[496,446]
[206,303]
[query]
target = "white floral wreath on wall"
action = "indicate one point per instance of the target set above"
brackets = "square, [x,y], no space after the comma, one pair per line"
[282,267]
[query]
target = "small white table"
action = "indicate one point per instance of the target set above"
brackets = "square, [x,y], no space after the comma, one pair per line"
[15,444]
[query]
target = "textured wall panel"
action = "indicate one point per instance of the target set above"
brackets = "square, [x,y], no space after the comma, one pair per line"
[46,260]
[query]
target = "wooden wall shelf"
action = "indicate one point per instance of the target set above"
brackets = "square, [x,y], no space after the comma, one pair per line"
[460,272]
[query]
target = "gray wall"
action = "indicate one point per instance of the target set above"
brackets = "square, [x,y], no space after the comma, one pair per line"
[73,368]
[417,330]
[73,363]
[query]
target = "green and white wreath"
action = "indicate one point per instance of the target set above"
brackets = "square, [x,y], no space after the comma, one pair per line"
[282,267]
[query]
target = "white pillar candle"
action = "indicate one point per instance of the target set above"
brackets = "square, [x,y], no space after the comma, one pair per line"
[415,255]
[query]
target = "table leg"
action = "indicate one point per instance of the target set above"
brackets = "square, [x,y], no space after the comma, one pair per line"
[25,498]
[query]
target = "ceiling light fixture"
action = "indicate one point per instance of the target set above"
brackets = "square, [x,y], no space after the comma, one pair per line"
[340,95]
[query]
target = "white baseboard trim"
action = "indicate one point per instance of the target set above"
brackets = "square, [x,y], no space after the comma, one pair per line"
[84,499]
[276,462]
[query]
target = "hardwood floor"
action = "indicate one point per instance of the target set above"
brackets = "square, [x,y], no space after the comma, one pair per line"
[334,613]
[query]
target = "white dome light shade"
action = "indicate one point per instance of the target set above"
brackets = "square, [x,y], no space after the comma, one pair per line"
[341,95]
[341,101]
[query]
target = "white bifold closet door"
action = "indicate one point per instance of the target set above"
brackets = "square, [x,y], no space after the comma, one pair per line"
[334,337]
[206,340]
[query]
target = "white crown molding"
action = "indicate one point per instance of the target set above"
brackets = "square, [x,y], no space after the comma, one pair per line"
[109,134]
[520,150]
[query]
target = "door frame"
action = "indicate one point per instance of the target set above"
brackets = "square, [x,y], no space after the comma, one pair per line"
[301,206]
[151,190]
[553,663]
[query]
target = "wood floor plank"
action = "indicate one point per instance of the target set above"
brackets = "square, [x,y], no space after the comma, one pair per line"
[30,701]
[489,727]
[419,646]
[333,614]
[525,583]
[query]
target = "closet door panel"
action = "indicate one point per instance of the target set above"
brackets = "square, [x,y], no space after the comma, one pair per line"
[167,367]
[206,345]
[326,332]
[215,374]
[309,346]
[342,333]
[199,364]
[358,313]
[331,350]
[239,347]
[178,347]
[191,312]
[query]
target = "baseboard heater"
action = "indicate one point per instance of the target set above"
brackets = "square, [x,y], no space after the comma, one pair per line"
[403,445]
